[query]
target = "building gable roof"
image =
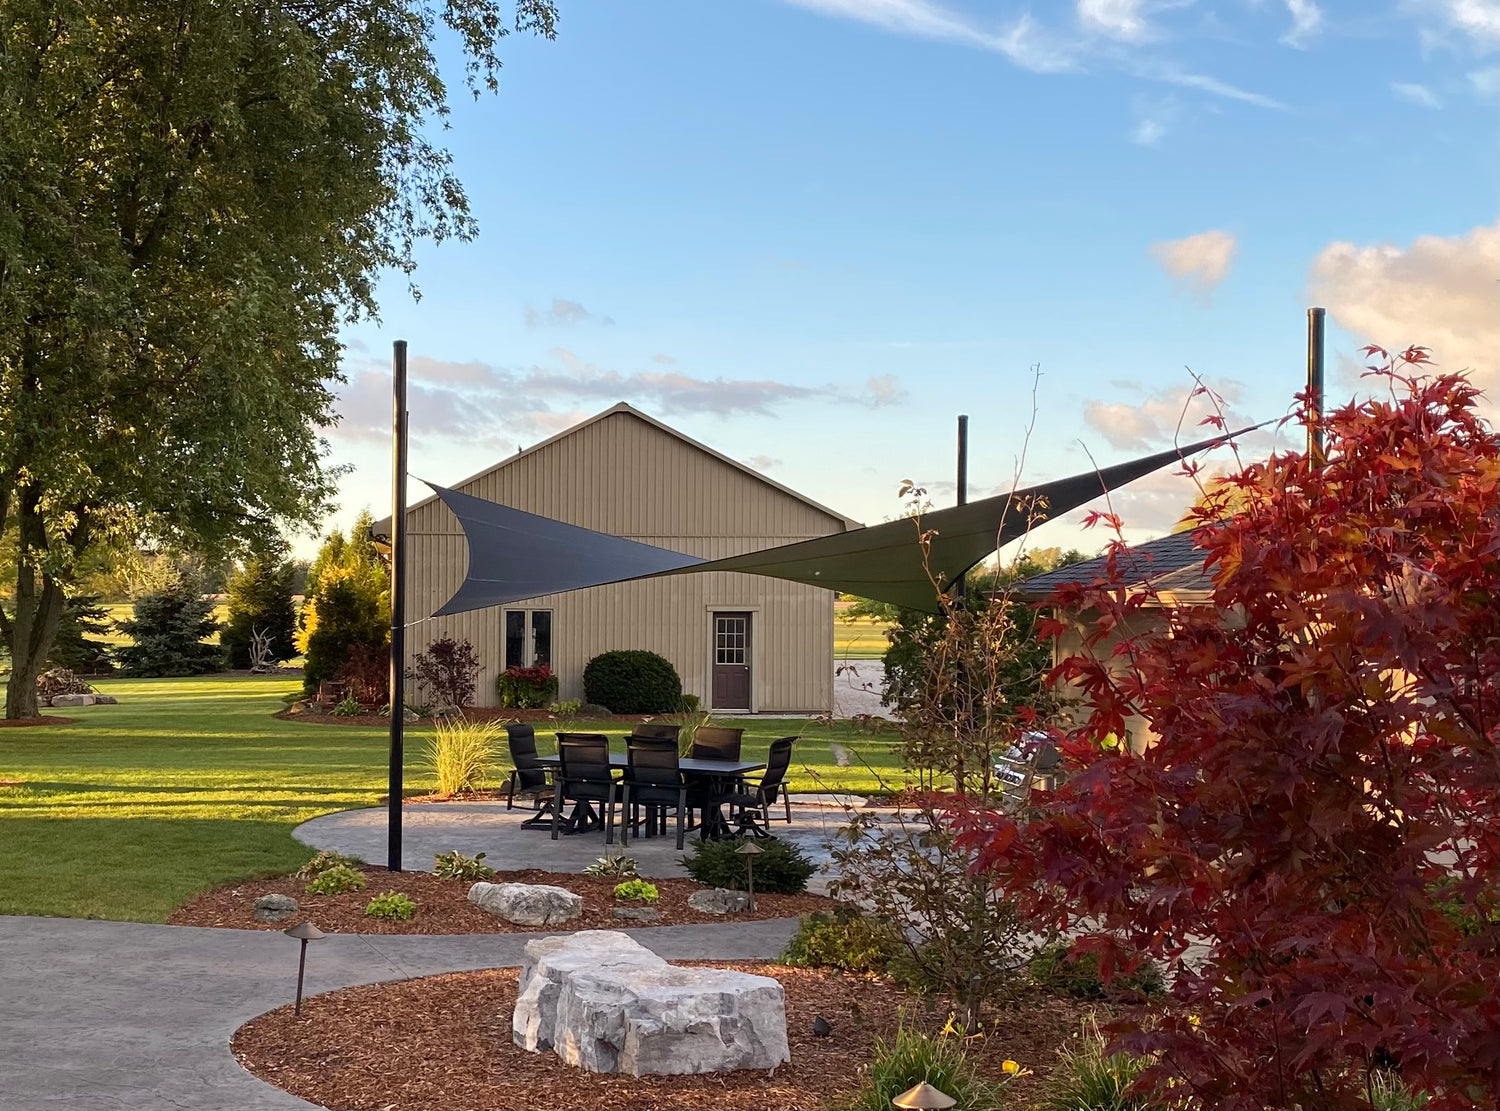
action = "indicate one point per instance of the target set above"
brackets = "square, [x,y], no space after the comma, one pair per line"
[1173,565]
[622,407]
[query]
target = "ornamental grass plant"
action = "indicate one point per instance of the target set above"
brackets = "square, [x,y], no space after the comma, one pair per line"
[462,753]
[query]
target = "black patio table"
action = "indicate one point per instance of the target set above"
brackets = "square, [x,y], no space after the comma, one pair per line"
[713,826]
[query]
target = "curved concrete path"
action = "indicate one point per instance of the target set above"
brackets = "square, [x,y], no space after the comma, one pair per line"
[125,1016]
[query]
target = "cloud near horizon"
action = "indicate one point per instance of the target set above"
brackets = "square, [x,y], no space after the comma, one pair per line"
[1199,261]
[1153,423]
[496,406]
[1441,293]
[562,314]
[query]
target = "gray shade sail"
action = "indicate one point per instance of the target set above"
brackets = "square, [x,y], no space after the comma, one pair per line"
[515,555]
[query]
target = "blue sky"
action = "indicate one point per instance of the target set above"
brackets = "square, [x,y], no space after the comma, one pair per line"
[810,232]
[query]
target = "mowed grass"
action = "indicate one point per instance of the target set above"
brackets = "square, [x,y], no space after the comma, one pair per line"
[189,783]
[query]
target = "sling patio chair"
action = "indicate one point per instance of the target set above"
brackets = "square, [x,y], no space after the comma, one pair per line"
[751,806]
[529,777]
[583,777]
[715,742]
[654,782]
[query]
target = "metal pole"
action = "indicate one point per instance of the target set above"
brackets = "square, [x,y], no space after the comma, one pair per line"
[398,601]
[963,484]
[1315,384]
[301,968]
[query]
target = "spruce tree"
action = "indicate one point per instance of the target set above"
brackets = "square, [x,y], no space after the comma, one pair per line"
[170,631]
[260,600]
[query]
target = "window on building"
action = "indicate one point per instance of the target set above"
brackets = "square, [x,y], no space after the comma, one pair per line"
[528,638]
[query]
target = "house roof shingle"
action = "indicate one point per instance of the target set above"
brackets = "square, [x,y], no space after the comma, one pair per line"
[1173,564]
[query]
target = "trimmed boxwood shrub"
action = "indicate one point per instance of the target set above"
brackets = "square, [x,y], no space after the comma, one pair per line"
[780,869]
[633,681]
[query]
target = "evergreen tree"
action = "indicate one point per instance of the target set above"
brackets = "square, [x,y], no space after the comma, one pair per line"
[170,631]
[83,620]
[260,600]
[347,604]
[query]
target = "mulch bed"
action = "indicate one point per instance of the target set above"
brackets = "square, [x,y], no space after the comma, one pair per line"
[473,713]
[443,906]
[46,719]
[445,1042]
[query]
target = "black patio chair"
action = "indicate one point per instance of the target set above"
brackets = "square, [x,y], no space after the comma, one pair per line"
[529,776]
[661,730]
[751,806]
[713,742]
[653,781]
[583,777]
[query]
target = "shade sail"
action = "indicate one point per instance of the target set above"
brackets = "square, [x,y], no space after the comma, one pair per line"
[515,555]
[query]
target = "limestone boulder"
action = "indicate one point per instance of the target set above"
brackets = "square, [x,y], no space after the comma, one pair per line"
[106,700]
[719,900]
[527,904]
[603,1002]
[66,700]
[274,908]
[638,914]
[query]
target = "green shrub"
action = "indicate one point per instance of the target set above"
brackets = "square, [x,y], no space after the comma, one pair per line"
[567,708]
[455,866]
[526,688]
[636,889]
[1054,970]
[914,1057]
[348,707]
[337,880]
[461,753]
[632,681]
[1085,1079]
[622,866]
[847,939]
[169,634]
[324,861]
[392,905]
[690,704]
[781,869]
[260,601]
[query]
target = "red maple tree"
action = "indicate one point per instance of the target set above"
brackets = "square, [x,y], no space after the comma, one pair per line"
[1317,827]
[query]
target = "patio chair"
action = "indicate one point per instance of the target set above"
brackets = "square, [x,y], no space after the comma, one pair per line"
[583,776]
[713,742]
[529,776]
[658,729]
[751,806]
[653,780]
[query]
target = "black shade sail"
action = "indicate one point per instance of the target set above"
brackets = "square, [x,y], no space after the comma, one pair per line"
[515,555]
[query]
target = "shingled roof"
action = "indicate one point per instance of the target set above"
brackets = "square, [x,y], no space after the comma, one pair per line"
[1173,565]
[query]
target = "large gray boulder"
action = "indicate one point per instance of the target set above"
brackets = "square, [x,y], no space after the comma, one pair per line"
[66,700]
[274,908]
[603,1002]
[527,904]
[719,900]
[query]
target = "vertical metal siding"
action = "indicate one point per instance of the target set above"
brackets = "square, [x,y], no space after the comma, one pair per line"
[624,476]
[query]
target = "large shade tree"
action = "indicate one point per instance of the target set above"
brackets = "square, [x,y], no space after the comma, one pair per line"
[194,196]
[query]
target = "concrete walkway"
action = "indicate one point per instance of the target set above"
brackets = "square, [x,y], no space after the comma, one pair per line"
[124,1016]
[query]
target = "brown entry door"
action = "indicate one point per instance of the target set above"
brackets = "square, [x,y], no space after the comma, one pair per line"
[731,661]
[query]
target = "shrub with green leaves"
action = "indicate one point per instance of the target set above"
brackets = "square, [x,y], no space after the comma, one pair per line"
[913,1057]
[392,906]
[1087,1079]
[780,869]
[639,890]
[1078,976]
[455,866]
[461,754]
[632,681]
[325,860]
[847,939]
[348,707]
[622,866]
[336,880]
[566,708]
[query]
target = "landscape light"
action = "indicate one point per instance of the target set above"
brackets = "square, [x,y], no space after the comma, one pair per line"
[304,933]
[750,850]
[924,1095]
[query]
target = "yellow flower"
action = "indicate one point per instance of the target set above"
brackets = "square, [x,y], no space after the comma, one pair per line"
[1194,1021]
[1010,1067]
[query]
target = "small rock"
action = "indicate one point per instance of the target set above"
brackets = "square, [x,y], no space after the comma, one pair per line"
[594,710]
[106,700]
[301,706]
[273,908]
[527,904]
[719,900]
[61,700]
[638,914]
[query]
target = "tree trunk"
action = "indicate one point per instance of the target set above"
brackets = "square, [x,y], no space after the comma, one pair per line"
[38,613]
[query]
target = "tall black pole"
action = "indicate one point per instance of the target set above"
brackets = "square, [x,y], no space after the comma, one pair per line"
[398,600]
[963,484]
[1315,384]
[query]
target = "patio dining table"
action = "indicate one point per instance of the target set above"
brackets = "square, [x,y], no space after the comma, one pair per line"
[713,825]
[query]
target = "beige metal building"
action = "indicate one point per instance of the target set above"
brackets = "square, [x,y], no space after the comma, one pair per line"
[741,643]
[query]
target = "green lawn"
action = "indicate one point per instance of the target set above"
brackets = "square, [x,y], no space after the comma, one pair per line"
[859,639]
[189,783]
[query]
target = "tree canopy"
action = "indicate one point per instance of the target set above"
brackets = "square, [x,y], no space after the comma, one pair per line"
[193,198]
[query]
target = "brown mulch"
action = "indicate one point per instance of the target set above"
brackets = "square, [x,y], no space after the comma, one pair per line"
[445,1042]
[443,906]
[473,713]
[46,719]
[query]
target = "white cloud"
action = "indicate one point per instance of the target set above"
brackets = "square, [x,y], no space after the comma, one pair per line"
[1477,20]
[1485,82]
[1117,19]
[761,462]
[1200,261]
[1154,117]
[1442,293]
[1170,74]
[1153,422]
[1307,21]
[1420,95]
[561,314]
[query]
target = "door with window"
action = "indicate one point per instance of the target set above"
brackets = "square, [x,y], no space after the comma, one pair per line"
[731,666]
